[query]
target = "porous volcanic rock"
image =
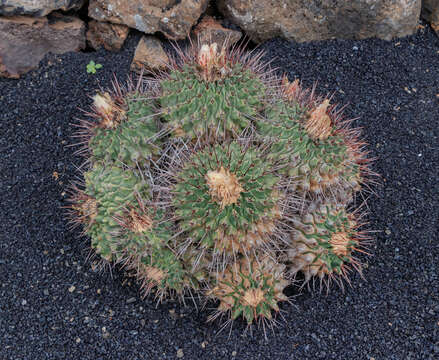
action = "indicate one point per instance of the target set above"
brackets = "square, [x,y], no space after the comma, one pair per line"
[310,20]
[174,18]
[37,8]
[110,36]
[210,29]
[25,40]
[430,12]
[149,55]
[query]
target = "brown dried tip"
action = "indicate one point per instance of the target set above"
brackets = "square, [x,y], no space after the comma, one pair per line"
[154,274]
[212,63]
[139,223]
[223,186]
[291,89]
[253,297]
[208,54]
[87,208]
[319,124]
[112,115]
[340,243]
[150,277]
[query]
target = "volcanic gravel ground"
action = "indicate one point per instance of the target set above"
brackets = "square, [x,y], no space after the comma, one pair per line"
[54,306]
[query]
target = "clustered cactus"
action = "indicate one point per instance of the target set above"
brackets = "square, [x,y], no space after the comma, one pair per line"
[220,178]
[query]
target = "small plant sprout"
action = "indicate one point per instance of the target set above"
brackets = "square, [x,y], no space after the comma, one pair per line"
[92,67]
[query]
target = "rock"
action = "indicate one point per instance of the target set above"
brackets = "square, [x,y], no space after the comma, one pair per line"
[174,18]
[430,12]
[211,30]
[325,19]
[149,55]
[25,40]
[110,36]
[37,8]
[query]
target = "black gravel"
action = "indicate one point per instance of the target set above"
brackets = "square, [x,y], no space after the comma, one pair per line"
[54,306]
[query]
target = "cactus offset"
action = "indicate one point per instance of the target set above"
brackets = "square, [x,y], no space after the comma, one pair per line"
[323,157]
[212,93]
[251,288]
[114,190]
[161,270]
[127,134]
[323,243]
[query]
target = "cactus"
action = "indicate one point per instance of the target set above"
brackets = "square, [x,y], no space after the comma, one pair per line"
[162,270]
[225,199]
[324,157]
[220,178]
[114,190]
[323,243]
[211,91]
[250,288]
[126,130]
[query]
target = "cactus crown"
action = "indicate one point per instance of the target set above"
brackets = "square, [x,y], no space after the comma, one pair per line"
[212,91]
[222,178]
[221,193]
[223,186]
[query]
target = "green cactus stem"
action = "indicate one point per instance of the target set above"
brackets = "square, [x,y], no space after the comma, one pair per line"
[251,288]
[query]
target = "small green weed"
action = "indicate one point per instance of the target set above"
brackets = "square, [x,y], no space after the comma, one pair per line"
[92,67]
